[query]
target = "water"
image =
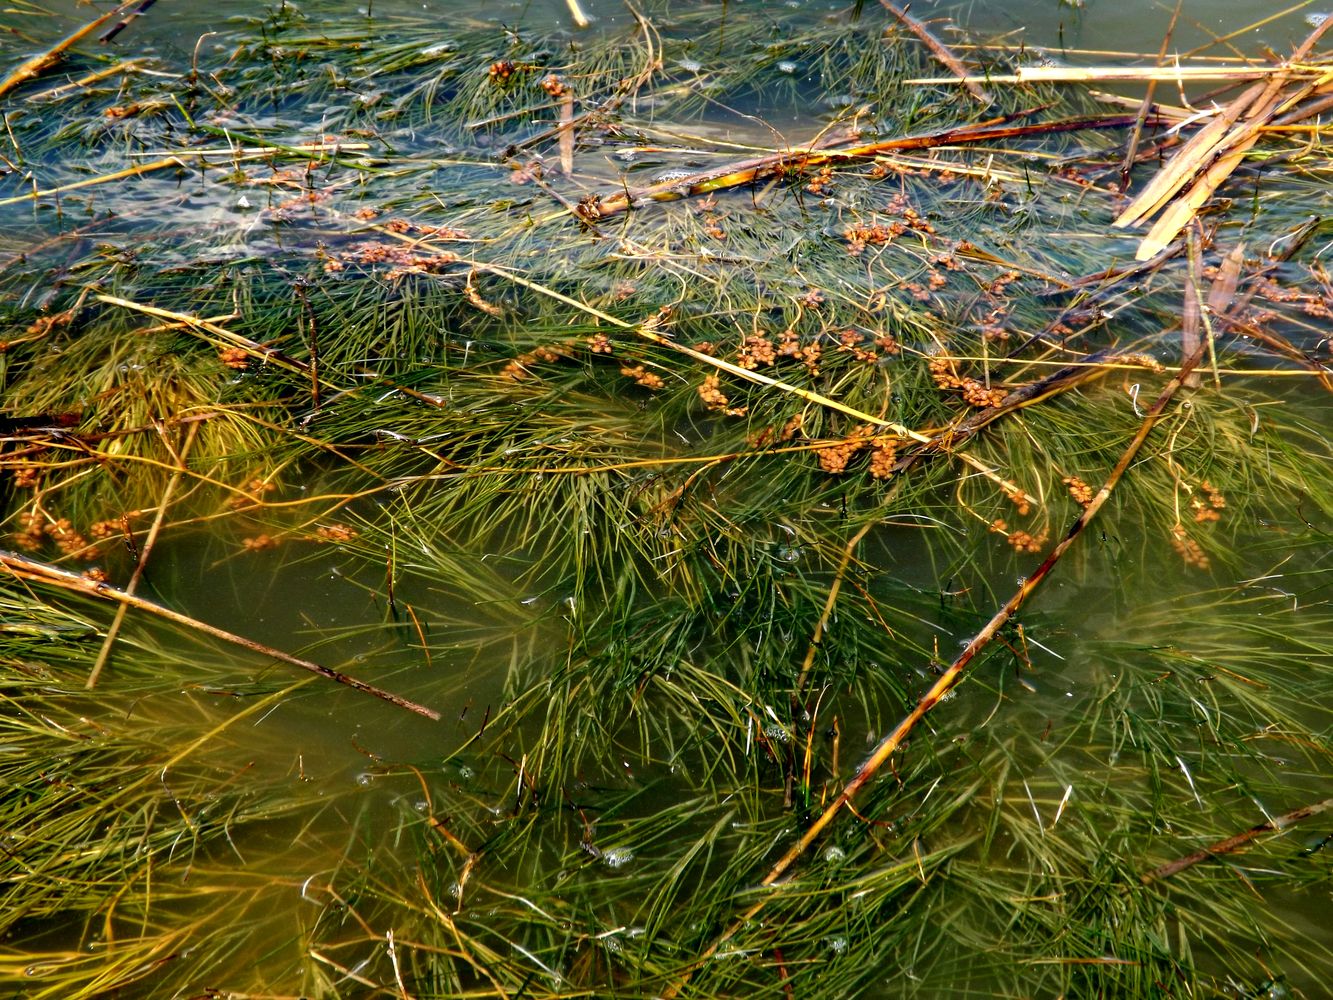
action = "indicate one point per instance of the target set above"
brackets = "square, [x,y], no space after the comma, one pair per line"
[325,843]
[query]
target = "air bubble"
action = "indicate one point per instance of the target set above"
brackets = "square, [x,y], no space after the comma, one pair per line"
[617,857]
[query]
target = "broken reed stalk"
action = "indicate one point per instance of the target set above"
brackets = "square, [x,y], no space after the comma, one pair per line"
[1191,310]
[1234,843]
[104,654]
[1097,74]
[24,568]
[1216,151]
[937,49]
[135,171]
[803,158]
[949,679]
[45,60]
[126,66]
[1132,147]
[127,20]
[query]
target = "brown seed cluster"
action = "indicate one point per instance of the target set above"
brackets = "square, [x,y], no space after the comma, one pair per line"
[645,378]
[883,454]
[859,235]
[254,488]
[853,342]
[821,181]
[26,476]
[259,543]
[1189,550]
[757,351]
[31,533]
[518,369]
[888,343]
[235,357]
[834,458]
[976,393]
[43,325]
[69,541]
[1079,490]
[790,346]
[1208,507]
[813,299]
[1020,500]
[554,85]
[599,343]
[1316,304]
[712,218]
[1021,541]
[716,400]
[401,259]
[335,533]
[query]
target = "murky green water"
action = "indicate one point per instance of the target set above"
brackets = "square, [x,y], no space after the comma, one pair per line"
[620,756]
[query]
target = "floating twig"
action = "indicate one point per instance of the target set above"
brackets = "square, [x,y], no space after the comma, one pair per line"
[38,572]
[1234,843]
[803,158]
[125,21]
[118,175]
[938,49]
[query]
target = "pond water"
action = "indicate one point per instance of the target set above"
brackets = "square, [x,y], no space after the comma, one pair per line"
[422,470]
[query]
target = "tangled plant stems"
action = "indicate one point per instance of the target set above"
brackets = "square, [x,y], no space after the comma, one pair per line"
[644,463]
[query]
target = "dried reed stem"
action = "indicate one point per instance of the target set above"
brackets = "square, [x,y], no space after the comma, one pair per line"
[938,49]
[30,569]
[1230,844]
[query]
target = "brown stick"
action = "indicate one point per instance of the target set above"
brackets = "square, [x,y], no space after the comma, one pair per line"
[1191,317]
[938,49]
[125,21]
[1231,844]
[53,55]
[949,679]
[30,569]
[138,170]
[805,158]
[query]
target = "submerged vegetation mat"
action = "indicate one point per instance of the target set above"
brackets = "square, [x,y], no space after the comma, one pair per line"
[683,508]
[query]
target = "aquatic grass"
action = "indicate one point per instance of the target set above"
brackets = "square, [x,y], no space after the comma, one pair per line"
[463,420]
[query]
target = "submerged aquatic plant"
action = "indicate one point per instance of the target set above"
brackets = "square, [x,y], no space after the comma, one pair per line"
[670,467]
